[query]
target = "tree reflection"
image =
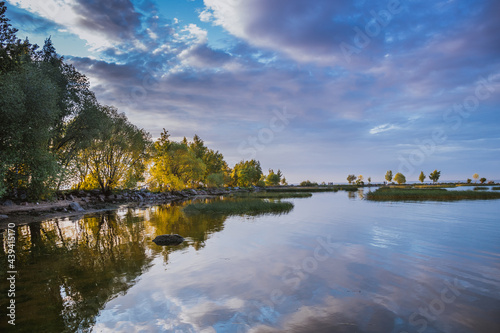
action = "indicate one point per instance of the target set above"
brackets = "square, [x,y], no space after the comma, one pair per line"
[69,270]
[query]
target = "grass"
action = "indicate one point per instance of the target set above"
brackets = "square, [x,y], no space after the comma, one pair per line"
[385,194]
[435,186]
[480,188]
[239,207]
[273,195]
[497,188]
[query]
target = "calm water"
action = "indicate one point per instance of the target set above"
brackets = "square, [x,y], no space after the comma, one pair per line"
[336,263]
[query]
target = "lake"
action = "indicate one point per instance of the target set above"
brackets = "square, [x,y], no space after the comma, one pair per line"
[335,263]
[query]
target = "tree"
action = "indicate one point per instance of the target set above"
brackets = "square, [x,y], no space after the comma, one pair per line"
[482,180]
[421,177]
[359,181]
[117,157]
[400,178]
[246,173]
[175,166]
[475,176]
[351,178]
[388,176]
[28,111]
[284,182]
[469,180]
[434,176]
[369,180]
[273,179]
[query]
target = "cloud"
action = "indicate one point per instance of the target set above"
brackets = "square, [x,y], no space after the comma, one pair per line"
[382,128]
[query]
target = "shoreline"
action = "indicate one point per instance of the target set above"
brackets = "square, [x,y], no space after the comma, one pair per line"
[26,213]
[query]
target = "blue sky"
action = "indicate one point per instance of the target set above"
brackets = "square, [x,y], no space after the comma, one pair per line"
[319,89]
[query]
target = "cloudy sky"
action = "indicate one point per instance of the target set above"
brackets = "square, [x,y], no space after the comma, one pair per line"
[319,88]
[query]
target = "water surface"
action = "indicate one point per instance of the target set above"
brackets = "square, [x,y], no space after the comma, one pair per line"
[336,263]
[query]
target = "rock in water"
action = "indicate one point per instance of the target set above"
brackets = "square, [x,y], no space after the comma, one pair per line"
[76,207]
[168,240]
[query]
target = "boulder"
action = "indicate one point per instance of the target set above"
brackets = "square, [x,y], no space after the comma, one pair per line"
[9,203]
[172,239]
[76,207]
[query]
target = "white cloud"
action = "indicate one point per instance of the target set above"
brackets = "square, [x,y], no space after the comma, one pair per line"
[382,128]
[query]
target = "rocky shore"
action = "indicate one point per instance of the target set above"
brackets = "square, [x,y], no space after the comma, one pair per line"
[74,203]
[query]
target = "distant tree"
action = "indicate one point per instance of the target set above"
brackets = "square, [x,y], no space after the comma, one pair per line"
[272,179]
[475,176]
[400,178]
[369,180]
[469,180]
[246,173]
[482,180]
[421,177]
[434,176]
[351,178]
[359,181]
[308,183]
[388,176]
[283,181]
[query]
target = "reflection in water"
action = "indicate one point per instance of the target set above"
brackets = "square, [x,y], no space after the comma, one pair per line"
[336,263]
[69,270]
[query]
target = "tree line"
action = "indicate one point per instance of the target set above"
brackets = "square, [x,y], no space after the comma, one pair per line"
[54,134]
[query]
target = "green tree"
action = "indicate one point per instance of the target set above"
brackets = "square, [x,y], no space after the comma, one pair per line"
[469,180]
[434,176]
[369,180]
[175,166]
[28,111]
[117,157]
[351,178]
[284,182]
[400,178]
[475,176]
[421,177]
[273,179]
[388,176]
[482,180]
[359,181]
[246,173]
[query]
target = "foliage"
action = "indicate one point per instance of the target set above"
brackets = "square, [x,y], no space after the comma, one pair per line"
[480,188]
[391,194]
[421,177]
[239,207]
[246,173]
[434,176]
[117,156]
[273,179]
[482,180]
[388,176]
[308,183]
[400,178]
[351,178]
[469,180]
[475,176]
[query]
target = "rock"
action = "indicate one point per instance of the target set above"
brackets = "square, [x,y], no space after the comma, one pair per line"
[3,217]
[172,239]
[9,203]
[76,207]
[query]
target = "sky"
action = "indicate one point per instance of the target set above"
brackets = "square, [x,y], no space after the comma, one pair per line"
[319,89]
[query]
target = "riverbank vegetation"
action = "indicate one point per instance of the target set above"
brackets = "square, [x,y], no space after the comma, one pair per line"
[54,134]
[239,207]
[438,194]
